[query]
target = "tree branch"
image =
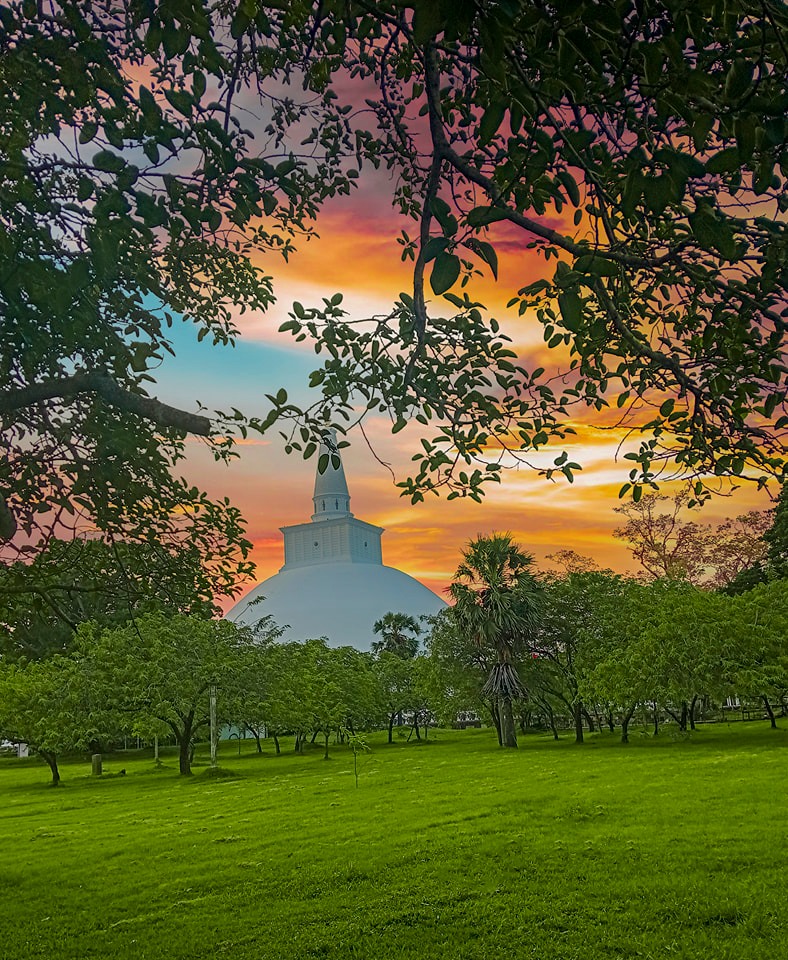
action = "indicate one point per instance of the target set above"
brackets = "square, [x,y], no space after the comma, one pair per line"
[112,393]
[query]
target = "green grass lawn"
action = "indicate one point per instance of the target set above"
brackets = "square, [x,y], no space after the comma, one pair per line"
[663,848]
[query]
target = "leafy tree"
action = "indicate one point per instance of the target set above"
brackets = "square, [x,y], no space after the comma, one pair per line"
[399,633]
[159,670]
[251,708]
[69,582]
[281,692]
[753,630]
[496,599]
[459,669]
[340,689]
[625,663]
[639,148]
[52,706]
[395,682]
[133,196]
[560,646]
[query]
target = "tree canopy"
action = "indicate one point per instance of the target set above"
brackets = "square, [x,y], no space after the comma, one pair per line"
[133,197]
[636,146]
[639,149]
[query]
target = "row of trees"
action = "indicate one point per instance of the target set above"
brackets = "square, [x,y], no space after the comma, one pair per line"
[109,649]
[578,645]
[603,645]
[152,678]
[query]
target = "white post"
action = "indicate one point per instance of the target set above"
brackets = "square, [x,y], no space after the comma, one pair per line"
[213,723]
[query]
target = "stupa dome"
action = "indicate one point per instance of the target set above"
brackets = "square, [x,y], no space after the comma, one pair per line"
[334,583]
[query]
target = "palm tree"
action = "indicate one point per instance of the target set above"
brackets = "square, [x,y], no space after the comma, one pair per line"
[496,598]
[399,635]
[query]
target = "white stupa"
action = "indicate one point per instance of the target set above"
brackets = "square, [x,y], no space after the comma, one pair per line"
[333,583]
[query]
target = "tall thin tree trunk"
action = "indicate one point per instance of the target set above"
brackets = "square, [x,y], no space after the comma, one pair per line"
[577,711]
[277,745]
[769,711]
[589,720]
[656,718]
[551,721]
[610,722]
[508,732]
[625,723]
[496,715]
[391,728]
[692,711]
[683,718]
[325,751]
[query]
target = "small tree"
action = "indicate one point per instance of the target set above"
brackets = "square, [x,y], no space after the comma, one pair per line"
[161,668]
[51,705]
[399,634]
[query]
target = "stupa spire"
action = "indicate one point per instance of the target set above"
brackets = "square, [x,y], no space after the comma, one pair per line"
[331,498]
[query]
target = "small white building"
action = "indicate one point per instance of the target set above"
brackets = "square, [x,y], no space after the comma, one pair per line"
[334,583]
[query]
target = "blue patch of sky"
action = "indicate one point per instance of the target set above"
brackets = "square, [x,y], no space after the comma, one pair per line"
[221,377]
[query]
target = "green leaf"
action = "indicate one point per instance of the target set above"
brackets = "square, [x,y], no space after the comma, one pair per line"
[667,408]
[596,265]
[481,216]
[428,20]
[725,161]
[571,306]
[88,131]
[181,101]
[570,185]
[492,119]
[739,78]
[108,162]
[444,273]
[487,252]
[85,188]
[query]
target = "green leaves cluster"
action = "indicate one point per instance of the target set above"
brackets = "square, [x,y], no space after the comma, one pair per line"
[640,150]
[131,194]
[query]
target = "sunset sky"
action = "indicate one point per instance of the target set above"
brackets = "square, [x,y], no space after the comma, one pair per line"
[357,255]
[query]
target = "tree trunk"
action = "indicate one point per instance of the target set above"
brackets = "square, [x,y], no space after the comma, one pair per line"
[610,722]
[276,744]
[391,727]
[589,720]
[692,711]
[625,723]
[769,711]
[184,754]
[683,718]
[496,716]
[257,741]
[656,719]
[325,751]
[51,759]
[508,732]
[577,711]
[551,720]
[314,736]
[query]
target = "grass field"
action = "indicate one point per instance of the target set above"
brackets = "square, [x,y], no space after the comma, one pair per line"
[452,849]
